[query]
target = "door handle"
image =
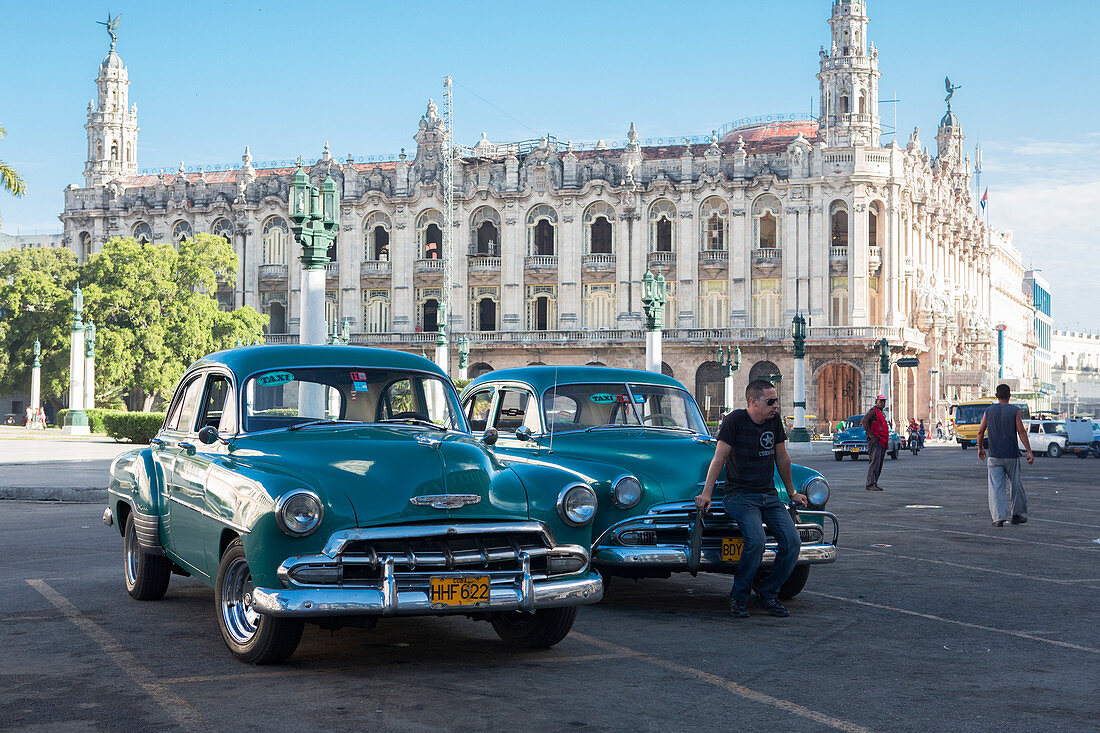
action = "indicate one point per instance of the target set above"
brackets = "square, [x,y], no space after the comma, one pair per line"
[158,443]
[188,448]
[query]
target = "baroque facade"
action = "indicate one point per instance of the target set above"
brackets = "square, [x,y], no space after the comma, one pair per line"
[551,240]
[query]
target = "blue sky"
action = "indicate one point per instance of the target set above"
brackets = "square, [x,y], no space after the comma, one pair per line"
[209,78]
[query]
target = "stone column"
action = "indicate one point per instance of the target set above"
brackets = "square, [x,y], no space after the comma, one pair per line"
[89,366]
[76,421]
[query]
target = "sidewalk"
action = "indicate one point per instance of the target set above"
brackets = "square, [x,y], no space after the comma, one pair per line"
[44,465]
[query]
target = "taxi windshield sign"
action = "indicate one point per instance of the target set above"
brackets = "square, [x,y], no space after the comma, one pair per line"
[272,379]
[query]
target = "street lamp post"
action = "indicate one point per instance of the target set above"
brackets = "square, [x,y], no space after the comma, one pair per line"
[315,219]
[89,366]
[653,302]
[36,385]
[463,357]
[799,433]
[932,395]
[76,420]
[1001,328]
[730,360]
[442,355]
[884,370]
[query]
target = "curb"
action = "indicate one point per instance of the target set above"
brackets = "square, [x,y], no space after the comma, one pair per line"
[53,493]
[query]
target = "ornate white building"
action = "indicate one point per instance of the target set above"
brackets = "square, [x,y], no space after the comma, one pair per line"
[769,218]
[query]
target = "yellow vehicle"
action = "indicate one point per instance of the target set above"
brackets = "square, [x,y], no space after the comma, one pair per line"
[968,416]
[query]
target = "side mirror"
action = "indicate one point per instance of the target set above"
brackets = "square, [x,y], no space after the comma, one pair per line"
[523,433]
[209,435]
[489,437]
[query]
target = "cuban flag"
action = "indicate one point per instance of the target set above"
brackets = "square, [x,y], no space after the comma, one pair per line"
[985,197]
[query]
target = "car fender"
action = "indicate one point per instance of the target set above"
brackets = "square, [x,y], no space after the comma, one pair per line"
[544,483]
[137,481]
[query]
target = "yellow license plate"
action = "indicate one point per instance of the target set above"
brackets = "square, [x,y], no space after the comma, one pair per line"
[855,450]
[459,592]
[731,549]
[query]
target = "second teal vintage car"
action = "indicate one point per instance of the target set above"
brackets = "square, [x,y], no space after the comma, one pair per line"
[338,484]
[640,438]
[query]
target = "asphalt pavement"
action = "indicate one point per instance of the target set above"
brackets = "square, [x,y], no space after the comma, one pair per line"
[931,619]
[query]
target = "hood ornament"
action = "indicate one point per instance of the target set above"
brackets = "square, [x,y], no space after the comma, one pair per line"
[445,501]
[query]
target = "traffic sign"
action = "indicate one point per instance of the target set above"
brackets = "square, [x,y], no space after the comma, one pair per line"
[908,361]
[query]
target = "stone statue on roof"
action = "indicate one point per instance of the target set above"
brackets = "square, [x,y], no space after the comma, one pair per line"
[950,91]
[112,26]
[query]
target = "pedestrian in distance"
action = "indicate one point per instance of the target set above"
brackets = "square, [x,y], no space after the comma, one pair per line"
[939,431]
[751,447]
[878,435]
[1004,423]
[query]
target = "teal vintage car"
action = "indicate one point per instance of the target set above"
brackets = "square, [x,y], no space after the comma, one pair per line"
[335,485]
[640,439]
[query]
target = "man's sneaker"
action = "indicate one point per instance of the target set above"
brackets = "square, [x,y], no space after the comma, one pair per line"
[1019,519]
[772,606]
[738,608]
[999,523]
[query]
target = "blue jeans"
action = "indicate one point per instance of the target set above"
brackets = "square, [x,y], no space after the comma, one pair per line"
[751,511]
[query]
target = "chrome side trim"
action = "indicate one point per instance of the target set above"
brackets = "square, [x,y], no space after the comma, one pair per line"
[208,515]
[584,589]
[339,540]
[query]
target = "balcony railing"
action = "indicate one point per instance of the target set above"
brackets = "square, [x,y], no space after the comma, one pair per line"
[368,268]
[540,262]
[332,269]
[714,257]
[432,265]
[838,253]
[767,255]
[481,263]
[667,259]
[599,261]
[273,272]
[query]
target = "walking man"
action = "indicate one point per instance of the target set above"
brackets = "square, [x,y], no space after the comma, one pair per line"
[1006,488]
[751,447]
[878,435]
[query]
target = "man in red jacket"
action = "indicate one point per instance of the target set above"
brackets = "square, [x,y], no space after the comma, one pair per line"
[878,435]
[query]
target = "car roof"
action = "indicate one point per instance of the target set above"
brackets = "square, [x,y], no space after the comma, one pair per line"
[247,360]
[545,377]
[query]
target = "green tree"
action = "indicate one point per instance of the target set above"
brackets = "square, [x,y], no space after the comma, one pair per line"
[36,296]
[155,311]
[10,180]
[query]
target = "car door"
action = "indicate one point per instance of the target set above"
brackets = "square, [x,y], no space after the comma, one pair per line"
[1035,436]
[182,505]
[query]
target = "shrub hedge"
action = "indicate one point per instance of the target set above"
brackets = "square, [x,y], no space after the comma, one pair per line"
[95,418]
[136,427]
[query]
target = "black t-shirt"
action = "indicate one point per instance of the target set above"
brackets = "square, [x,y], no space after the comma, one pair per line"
[751,463]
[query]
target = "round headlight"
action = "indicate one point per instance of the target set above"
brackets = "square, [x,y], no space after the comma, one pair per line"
[626,492]
[577,504]
[299,512]
[816,491]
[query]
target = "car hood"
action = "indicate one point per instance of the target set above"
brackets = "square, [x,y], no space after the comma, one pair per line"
[379,469]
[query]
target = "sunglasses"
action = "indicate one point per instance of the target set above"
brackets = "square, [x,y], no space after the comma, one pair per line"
[770,402]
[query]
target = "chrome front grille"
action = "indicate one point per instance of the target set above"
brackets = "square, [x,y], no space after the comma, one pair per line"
[670,524]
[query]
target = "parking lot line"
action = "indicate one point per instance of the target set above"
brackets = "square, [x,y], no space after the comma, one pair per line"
[175,706]
[1056,521]
[986,535]
[728,685]
[1009,573]
[967,624]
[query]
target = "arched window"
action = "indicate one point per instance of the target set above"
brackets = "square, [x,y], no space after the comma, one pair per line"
[376,311]
[838,224]
[99,150]
[844,103]
[429,229]
[766,213]
[377,244]
[713,304]
[599,305]
[767,304]
[85,246]
[275,235]
[276,312]
[476,370]
[223,228]
[767,371]
[486,314]
[430,322]
[661,232]
[129,153]
[542,222]
[114,150]
[874,218]
[143,233]
[838,301]
[863,102]
[710,389]
[714,215]
[485,232]
[598,230]
[181,230]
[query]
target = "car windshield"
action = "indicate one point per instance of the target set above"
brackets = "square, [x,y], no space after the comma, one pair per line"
[969,414]
[854,421]
[283,398]
[581,406]
[1055,427]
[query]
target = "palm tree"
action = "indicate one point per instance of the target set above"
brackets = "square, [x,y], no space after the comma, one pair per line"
[10,180]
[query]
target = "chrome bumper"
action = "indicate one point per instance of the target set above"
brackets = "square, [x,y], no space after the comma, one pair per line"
[677,557]
[527,595]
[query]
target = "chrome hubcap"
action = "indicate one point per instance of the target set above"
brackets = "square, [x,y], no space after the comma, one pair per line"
[130,555]
[237,613]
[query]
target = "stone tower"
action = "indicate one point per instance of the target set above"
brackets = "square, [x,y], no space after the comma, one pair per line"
[950,160]
[849,80]
[112,128]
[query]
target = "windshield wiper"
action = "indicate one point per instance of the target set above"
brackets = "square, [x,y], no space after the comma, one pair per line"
[610,425]
[311,423]
[414,421]
[673,427]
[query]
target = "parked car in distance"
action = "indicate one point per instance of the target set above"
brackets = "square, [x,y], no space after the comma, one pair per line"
[1045,436]
[852,441]
[641,438]
[334,485]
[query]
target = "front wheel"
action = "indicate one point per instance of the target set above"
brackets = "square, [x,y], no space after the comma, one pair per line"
[791,587]
[250,636]
[1096,449]
[146,575]
[539,630]
[1054,450]
[838,456]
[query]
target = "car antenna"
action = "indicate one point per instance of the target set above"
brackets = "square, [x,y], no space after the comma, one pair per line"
[550,424]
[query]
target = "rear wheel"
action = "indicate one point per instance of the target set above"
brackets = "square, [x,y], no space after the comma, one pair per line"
[146,575]
[1054,450]
[894,453]
[1083,454]
[539,630]
[250,636]
[1096,449]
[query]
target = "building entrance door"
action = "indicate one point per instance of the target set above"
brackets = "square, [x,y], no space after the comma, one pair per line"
[838,389]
